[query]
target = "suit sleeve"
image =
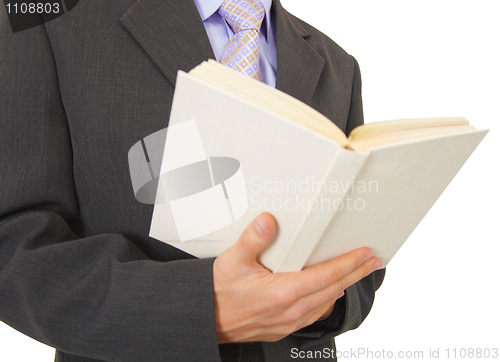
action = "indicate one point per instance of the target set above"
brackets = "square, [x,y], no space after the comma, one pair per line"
[352,309]
[355,117]
[100,296]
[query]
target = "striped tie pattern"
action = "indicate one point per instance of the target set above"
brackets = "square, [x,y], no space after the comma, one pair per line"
[245,18]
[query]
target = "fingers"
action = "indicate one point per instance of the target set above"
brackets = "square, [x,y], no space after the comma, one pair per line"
[254,239]
[360,272]
[322,275]
[325,297]
[309,315]
[301,308]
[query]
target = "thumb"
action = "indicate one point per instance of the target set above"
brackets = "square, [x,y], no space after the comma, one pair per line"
[254,239]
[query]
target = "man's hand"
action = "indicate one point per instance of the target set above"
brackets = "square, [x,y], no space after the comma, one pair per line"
[253,304]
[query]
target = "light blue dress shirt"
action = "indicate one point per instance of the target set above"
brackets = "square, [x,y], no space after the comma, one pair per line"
[220,34]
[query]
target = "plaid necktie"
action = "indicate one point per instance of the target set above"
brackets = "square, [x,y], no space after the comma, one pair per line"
[245,18]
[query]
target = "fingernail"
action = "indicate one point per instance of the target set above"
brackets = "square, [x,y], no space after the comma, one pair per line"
[260,225]
[340,295]
[377,265]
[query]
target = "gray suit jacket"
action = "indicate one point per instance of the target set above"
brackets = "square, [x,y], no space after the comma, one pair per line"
[77,268]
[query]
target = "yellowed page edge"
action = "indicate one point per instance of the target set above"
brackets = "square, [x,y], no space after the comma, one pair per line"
[372,130]
[366,143]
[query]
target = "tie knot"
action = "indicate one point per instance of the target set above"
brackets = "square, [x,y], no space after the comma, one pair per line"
[242,14]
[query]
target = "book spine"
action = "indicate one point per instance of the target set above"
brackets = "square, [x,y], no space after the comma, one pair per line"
[331,191]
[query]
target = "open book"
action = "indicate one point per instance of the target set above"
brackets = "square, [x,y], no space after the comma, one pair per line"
[236,147]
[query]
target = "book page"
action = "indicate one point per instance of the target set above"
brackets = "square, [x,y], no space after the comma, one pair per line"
[389,136]
[268,98]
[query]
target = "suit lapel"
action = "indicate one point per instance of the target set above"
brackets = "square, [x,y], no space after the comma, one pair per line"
[299,65]
[163,31]
[161,28]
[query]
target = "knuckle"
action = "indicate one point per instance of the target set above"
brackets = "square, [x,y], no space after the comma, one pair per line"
[356,275]
[368,268]
[283,298]
[301,309]
[361,257]
[246,242]
[292,316]
[335,273]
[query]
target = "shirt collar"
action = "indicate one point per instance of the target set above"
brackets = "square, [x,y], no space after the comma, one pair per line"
[207,8]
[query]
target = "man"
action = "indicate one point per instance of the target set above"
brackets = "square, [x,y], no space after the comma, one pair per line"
[78,270]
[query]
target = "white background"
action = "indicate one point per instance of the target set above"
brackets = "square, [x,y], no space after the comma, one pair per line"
[418,59]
